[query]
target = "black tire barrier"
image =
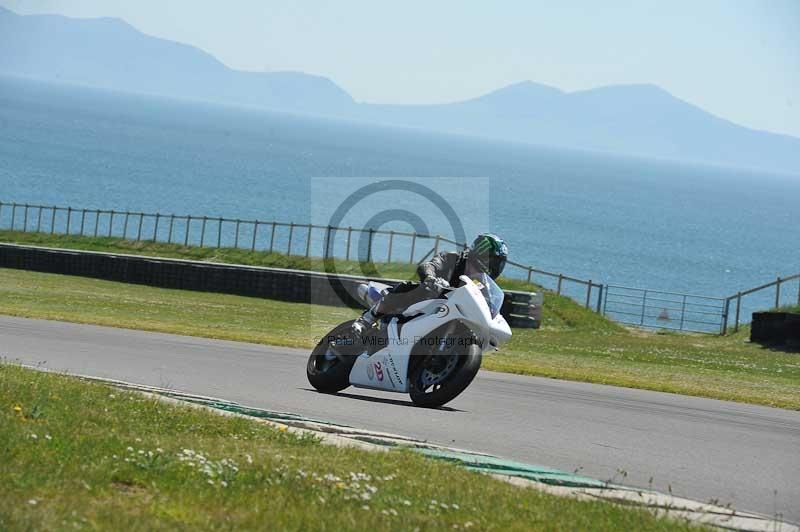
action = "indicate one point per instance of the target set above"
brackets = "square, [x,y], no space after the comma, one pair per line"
[776,329]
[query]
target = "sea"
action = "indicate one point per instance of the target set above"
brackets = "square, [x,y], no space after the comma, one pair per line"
[613,219]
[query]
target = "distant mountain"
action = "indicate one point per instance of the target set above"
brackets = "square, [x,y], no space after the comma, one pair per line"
[641,120]
[108,52]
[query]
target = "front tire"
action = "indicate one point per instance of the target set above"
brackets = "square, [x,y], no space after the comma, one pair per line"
[327,372]
[427,391]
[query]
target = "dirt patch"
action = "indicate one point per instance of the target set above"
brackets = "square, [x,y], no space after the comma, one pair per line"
[128,487]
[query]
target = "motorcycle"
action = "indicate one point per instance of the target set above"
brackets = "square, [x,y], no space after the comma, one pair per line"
[432,351]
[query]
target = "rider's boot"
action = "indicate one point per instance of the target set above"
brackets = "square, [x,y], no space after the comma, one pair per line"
[365,321]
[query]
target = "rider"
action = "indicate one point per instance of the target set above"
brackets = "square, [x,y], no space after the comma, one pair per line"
[488,254]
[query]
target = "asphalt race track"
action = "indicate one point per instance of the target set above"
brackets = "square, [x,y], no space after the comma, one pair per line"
[704,449]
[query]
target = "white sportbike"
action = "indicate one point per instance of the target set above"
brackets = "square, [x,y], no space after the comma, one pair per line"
[432,351]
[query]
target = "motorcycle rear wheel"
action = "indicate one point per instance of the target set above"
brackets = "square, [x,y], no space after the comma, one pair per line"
[328,372]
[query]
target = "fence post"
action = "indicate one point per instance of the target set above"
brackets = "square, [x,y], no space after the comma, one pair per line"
[188,224]
[139,230]
[391,242]
[69,217]
[125,225]
[798,292]
[219,233]
[96,221]
[1,210]
[436,246]
[39,220]
[25,220]
[327,242]
[155,227]
[725,312]
[530,273]
[13,214]
[83,219]
[644,306]
[369,244]
[413,244]
[308,240]
[272,237]
[349,234]
[255,232]
[683,312]
[203,231]
[778,293]
[600,298]
[111,223]
[291,231]
[558,288]
[236,239]
[588,292]
[738,308]
[171,224]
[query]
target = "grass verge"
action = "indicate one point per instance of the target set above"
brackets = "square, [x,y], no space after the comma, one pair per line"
[567,346]
[558,310]
[78,455]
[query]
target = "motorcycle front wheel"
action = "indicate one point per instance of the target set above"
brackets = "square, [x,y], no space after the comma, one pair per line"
[328,367]
[440,378]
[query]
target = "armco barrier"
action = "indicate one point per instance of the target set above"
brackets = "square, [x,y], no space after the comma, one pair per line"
[272,283]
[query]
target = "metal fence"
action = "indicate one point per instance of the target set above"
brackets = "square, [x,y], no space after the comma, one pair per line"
[309,240]
[664,310]
[633,306]
[785,295]
[690,312]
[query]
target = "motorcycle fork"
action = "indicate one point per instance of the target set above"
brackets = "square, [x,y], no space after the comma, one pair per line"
[437,350]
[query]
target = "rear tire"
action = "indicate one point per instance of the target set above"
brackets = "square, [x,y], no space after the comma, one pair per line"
[432,396]
[326,374]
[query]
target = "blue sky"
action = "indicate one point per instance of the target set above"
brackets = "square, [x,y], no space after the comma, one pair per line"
[737,59]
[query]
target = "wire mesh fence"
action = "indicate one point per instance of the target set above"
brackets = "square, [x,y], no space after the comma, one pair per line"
[633,306]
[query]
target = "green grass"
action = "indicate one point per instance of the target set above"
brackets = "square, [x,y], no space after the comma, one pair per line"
[573,343]
[568,345]
[228,255]
[557,309]
[80,455]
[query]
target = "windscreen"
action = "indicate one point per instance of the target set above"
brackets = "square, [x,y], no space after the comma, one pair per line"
[493,294]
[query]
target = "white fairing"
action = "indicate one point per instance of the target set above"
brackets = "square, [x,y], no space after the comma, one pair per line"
[387,368]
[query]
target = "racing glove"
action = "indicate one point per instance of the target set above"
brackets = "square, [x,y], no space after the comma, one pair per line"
[435,284]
